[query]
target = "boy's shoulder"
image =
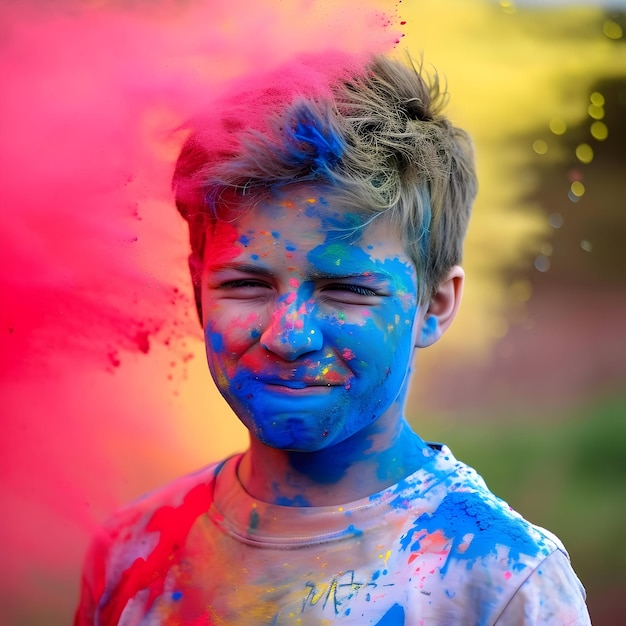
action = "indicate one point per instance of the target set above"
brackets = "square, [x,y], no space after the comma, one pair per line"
[489,559]
[183,498]
[451,501]
[140,538]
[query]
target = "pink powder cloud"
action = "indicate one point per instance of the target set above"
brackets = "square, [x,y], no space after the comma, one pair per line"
[96,321]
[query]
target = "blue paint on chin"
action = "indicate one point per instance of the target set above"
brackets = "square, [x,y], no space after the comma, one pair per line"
[468,513]
[393,617]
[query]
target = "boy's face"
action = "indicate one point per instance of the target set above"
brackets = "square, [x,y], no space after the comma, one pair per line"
[309,323]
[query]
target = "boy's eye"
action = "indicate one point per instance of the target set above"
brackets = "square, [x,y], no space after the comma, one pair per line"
[347,293]
[243,283]
[245,289]
[358,289]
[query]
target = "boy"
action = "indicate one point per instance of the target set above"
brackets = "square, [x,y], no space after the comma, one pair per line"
[327,211]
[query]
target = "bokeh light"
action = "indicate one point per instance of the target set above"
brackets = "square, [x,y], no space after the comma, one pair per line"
[599,131]
[584,153]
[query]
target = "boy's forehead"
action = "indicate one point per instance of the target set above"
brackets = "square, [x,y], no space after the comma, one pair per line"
[305,226]
[309,209]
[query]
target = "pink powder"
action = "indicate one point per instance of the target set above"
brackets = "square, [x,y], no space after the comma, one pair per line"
[347,354]
[97,319]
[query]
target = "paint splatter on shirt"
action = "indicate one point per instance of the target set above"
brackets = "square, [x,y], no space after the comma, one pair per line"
[437,548]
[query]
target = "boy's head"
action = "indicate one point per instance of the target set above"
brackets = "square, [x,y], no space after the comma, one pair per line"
[325,232]
[372,132]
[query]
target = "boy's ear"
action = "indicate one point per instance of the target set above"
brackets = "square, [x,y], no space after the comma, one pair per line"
[442,308]
[195,269]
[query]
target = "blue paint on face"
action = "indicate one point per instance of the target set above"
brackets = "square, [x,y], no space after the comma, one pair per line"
[306,362]
[384,364]
[338,226]
[215,340]
[462,514]
[244,240]
[393,617]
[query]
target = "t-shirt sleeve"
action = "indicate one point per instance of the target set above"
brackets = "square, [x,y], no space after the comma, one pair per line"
[92,580]
[552,595]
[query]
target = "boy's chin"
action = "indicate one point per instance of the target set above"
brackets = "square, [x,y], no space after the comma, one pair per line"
[291,442]
[293,435]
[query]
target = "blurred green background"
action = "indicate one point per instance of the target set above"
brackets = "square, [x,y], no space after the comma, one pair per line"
[541,412]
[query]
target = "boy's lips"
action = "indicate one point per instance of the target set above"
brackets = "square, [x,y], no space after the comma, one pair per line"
[300,383]
[295,389]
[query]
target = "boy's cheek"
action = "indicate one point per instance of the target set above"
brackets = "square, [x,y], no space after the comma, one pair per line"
[241,329]
[365,327]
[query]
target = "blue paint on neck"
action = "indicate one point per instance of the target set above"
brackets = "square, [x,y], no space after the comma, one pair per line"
[404,457]
[329,466]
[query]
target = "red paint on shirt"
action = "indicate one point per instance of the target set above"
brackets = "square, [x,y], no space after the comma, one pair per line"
[173,524]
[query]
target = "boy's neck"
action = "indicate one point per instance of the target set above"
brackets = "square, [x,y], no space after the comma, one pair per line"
[356,468]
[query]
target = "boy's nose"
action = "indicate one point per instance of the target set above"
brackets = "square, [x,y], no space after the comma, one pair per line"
[292,330]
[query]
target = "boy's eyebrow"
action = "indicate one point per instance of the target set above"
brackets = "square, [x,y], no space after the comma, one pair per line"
[241,267]
[314,275]
[317,275]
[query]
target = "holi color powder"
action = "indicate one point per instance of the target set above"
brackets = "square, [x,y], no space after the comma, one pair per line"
[99,343]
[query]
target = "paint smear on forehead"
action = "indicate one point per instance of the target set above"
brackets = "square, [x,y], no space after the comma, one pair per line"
[97,313]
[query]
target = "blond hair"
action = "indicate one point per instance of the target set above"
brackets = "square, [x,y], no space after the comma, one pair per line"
[377,139]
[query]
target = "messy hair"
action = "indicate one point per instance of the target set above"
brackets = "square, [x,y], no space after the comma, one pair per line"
[378,141]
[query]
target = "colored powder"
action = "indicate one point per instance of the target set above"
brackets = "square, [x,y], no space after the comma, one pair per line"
[462,514]
[98,331]
[393,617]
[173,526]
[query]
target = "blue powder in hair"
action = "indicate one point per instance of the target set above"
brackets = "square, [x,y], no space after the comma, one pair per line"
[311,142]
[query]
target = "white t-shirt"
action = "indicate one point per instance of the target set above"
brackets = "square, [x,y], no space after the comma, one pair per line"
[436,549]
